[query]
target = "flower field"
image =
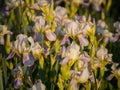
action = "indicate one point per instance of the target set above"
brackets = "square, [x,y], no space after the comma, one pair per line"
[59,45]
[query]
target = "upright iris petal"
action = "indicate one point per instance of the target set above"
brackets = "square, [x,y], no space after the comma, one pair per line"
[39,23]
[81,76]
[3,31]
[102,52]
[60,14]
[70,53]
[84,76]
[72,28]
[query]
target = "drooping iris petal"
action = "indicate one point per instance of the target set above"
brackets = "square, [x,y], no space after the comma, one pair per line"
[93,79]
[73,84]
[1,41]
[84,76]
[28,59]
[83,40]
[65,40]
[11,55]
[60,12]
[85,57]
[35,35]
[102,52]
[50,35]
[38,86]
[36,49]
[110,77]
[64,61]
[46,51]
[39,23]
[18,83]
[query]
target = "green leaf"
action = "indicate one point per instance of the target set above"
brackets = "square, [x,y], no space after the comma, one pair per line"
[1,81]
[65,71]
[4,71]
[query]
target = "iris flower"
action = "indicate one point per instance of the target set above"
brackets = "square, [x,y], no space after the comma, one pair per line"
[39,23]
[102,53]
[26,47]
[38,86]
[13,3]
[81,76]
[79,30]
[3,31]
[72,52]
[17,73]
[60,14]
